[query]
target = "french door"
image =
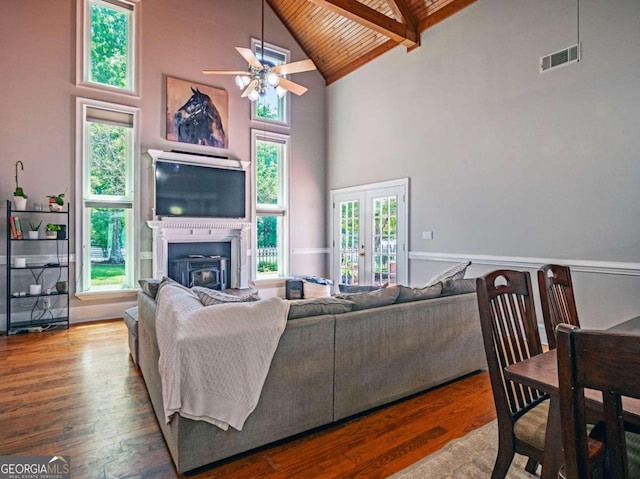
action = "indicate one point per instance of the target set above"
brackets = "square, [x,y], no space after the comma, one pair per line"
[369,231]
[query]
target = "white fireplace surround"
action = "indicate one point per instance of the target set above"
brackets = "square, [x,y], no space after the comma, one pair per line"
[202,230]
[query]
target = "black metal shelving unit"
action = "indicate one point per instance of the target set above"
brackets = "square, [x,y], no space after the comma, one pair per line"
[47,264]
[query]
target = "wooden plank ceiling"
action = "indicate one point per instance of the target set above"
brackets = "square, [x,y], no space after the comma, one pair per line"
[342,35]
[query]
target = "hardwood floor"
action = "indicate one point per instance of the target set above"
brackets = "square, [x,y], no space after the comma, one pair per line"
[77,392]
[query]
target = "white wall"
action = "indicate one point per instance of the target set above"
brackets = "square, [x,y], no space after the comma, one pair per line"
[508,166]
[179,38]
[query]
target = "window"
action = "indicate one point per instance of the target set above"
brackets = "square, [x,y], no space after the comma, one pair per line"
[106,158]
[270,158]
[108,43]
[270,107]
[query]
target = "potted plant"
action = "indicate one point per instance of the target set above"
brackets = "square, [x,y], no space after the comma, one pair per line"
[34,230]
[56,202]
[19,198]
[52,231]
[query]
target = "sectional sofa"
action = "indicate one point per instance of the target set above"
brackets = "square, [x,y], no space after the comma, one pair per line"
[329,367]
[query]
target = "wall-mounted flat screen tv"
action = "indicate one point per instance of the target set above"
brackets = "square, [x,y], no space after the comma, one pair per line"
[197,191]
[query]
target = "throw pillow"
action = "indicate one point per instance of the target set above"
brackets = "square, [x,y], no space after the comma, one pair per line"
[418,294]
[150,286]
[458,286]
[241,292]
[457,271]
[360,288]
[304,308]
[166,281]
[372,299]
[210,297]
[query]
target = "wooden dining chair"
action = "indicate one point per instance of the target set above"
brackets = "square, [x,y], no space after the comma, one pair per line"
[510,334]
[609,362]
[556,298]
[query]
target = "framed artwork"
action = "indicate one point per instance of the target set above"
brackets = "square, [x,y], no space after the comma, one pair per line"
[197,114]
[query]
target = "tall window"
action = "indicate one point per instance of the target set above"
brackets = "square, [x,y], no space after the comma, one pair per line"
[270,107]
[270,153]
[109,44]
[106,161]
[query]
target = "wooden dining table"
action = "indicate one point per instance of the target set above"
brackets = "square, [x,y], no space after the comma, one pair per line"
[541,372]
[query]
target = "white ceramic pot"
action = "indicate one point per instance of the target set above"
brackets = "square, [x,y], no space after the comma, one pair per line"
[35,289]
[19,262]
[55,207]
[32,234]
[19,203]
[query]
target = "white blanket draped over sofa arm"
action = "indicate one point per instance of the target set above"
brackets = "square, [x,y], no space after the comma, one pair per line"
[214,359]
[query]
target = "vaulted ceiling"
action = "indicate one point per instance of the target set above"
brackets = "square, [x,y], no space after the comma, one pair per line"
[342,35]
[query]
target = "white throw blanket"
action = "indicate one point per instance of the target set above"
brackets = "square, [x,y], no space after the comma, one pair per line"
[214,359]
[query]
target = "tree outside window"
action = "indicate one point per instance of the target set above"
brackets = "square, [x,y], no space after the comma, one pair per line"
[107,166]
[270,152]
[109,43]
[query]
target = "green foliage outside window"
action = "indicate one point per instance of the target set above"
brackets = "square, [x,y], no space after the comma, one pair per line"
[108,177]
[109,46]
[267,173]
[266,111]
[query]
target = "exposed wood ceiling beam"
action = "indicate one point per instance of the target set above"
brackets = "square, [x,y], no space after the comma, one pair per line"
[402,12]
[370,18]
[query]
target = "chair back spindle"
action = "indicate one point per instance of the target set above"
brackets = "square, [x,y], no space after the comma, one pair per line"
[557,299]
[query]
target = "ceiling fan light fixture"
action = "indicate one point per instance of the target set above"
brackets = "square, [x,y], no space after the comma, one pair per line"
[242,81]
[253,95]
[263,75]
[273,79]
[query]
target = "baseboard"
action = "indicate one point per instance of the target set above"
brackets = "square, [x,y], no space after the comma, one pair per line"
[586,266]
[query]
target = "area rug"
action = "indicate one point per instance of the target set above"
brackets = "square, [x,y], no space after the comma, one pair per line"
[470,457]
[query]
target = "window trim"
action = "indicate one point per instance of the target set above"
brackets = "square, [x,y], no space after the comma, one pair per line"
[81,223]
[83,41]
[269,210]
[287,103]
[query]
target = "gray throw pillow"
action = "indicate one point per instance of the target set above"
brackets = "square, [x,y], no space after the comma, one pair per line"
[304,308]
[418,294]
[210,297]
[458,286]
[360,288]
[150,286]
[168,281]
[372,299]
[241,292]
[457,271]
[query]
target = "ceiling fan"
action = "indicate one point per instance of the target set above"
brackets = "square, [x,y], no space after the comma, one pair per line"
[262,75]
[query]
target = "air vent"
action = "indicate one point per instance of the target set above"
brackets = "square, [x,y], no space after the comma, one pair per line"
[560,58]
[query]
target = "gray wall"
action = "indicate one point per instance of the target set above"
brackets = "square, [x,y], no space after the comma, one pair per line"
[179,38]
[509,167]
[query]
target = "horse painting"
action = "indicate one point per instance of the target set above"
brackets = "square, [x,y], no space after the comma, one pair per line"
[198,120]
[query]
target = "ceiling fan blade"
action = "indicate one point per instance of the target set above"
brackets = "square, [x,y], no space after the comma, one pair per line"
[224,72]
[292,87]
[250,87]
[295,67]
[249,56]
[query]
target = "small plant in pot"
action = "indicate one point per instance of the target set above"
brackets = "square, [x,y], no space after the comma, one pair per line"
[52,231]
[56,202]
[34,230]
[19,198]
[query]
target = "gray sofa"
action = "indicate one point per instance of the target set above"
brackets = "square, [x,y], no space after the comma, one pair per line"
[327,368]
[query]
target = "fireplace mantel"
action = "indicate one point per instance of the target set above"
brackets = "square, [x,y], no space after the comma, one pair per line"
[202,230]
